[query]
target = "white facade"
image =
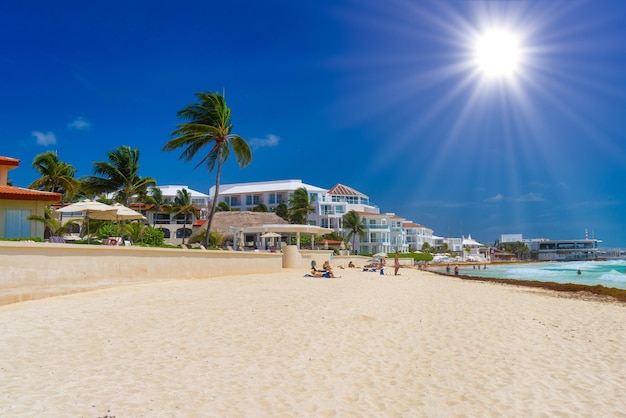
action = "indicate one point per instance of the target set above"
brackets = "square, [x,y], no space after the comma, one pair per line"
[173,225]
[245,196]
[383,232]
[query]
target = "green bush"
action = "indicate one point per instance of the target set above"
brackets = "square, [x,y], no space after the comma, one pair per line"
[108,230]
[153,237]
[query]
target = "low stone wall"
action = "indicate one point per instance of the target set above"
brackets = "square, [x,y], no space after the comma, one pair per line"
[36,270]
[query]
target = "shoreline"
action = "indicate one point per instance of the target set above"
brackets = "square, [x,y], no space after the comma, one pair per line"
[610,293]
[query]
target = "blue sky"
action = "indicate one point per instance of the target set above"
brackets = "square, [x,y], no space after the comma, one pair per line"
[385,97]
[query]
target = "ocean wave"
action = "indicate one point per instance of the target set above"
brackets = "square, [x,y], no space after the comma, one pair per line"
[613,276]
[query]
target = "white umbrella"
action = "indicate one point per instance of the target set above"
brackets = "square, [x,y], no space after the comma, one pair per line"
[380,255]
[119,212]
[86,207]
[270,235]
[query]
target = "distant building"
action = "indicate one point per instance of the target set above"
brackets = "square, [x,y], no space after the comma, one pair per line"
[510,238]
[568,250]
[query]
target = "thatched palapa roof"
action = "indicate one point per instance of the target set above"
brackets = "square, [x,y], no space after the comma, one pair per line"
[222,221]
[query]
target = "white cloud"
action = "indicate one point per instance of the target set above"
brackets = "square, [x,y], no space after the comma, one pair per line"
[79,124]
[495,198]
[45,139]
[531,197]
[270,140]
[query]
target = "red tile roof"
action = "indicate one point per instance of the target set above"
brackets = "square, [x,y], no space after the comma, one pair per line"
[18,193]
[8,161]
[340,189]
[411,225]
[199,222]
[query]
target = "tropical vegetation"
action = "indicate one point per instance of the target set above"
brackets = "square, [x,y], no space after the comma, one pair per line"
[183,205]
[53,227]
[207,124]
[300,206]
[120,175]
[56,176]
[354,225]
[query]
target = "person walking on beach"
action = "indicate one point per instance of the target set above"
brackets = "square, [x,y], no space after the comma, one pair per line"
[456,270]
[381,266]
[396,264]
[448,268]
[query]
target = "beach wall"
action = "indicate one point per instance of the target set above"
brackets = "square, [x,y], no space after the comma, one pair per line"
[36,270]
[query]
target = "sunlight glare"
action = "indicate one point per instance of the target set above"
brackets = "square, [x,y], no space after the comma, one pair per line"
[497,54]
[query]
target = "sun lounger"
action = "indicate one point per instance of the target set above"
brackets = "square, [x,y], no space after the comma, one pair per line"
[113,241]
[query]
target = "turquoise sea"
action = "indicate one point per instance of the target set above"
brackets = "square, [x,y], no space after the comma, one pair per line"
[606,273]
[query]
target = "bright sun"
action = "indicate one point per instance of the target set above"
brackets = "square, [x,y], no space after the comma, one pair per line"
[497,54]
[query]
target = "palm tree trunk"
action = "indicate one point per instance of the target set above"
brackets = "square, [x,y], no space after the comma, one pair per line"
[217,192]
[185,228]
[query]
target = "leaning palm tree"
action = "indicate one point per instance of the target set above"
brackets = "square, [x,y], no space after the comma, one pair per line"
[56,176]
[183,205]
[300,206]
[120,175]
[208,123]
[355,225]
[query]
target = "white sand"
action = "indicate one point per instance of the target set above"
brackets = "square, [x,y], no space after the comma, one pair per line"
[283,345]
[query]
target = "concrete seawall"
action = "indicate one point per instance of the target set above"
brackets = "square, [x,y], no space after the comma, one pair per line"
[36,270]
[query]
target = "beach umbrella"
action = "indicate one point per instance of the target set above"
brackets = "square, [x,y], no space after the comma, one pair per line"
[119,213]
[270,235]
[380,255]
[86,207]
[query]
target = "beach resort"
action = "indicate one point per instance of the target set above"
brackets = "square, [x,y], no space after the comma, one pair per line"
[116,331]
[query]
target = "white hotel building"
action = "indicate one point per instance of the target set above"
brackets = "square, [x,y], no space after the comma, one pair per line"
[383,232]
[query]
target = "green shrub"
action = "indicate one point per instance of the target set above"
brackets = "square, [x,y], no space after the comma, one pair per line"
[153,237]
[108,230]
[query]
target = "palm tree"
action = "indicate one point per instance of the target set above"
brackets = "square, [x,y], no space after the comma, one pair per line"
[223,207]
[282,210]
[208,123]
[120,175]
[135,230]
[183,205]
[156,199]
[52,226]
[56,176]
[300,206]
[355,225]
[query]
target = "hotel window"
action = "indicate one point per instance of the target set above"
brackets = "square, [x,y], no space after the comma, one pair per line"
[199,201]
[339,209]
[232,200]
[327,210]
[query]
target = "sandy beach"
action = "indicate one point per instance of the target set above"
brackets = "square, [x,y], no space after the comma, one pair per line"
[282,345]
